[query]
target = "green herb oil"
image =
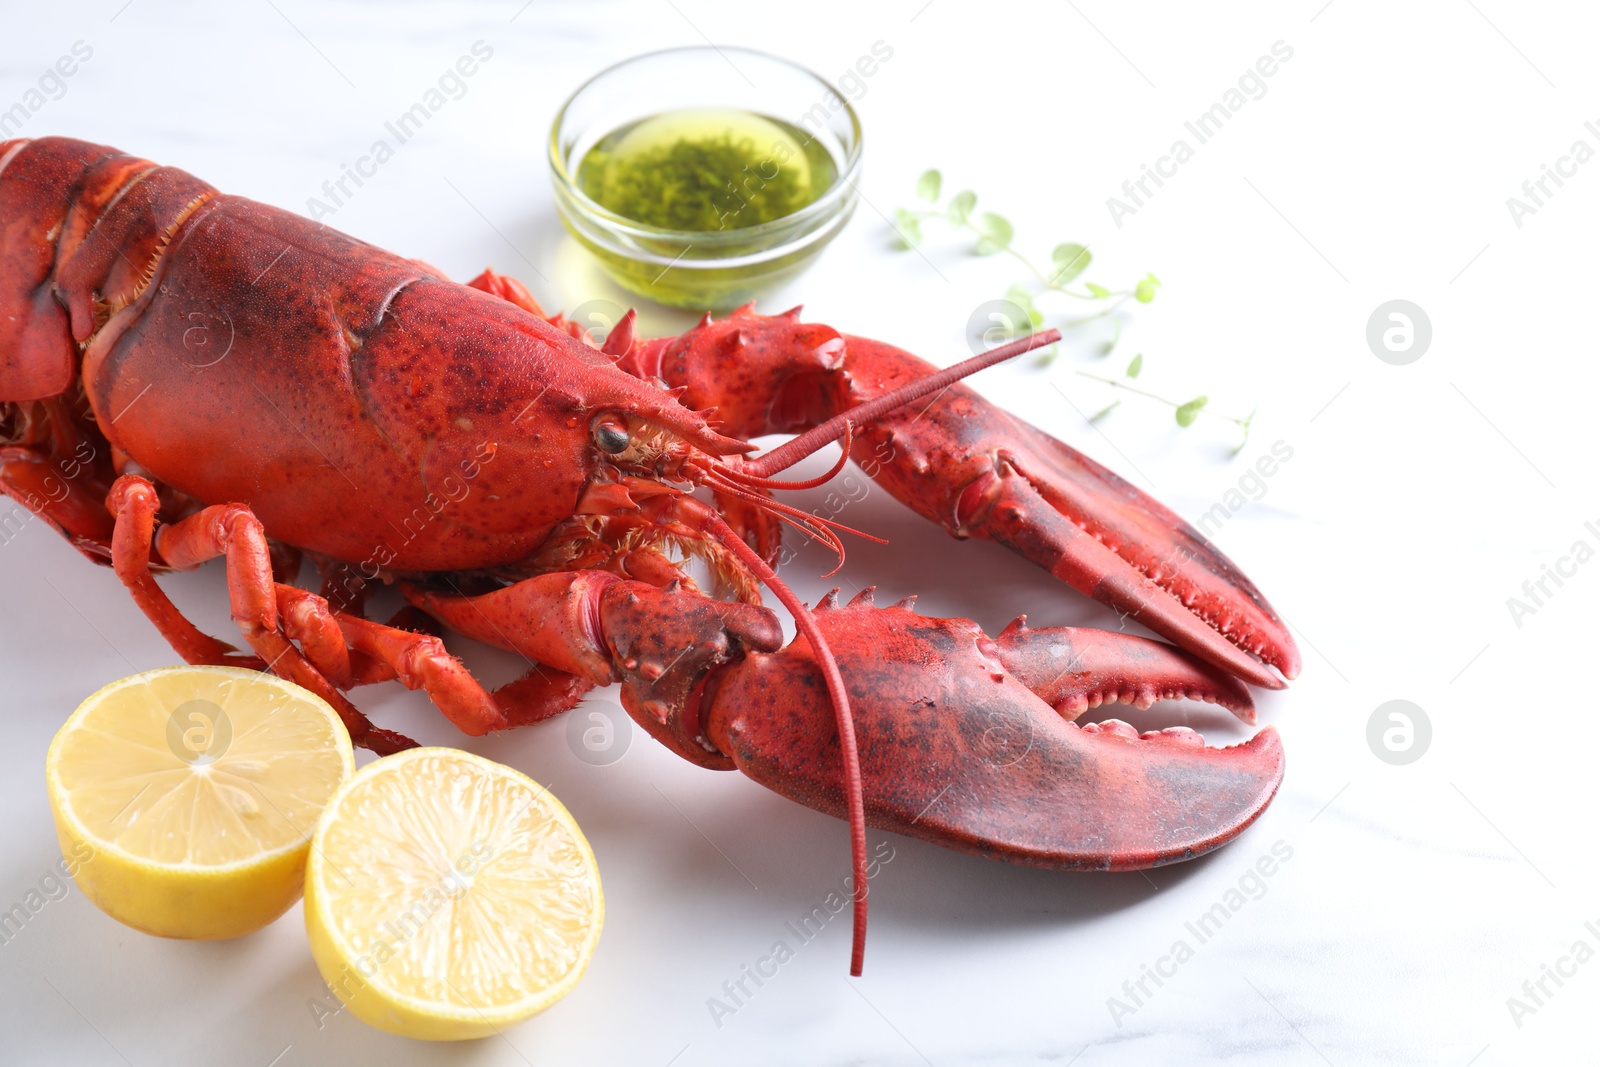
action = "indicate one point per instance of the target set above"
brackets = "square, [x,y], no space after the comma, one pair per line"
[706,170]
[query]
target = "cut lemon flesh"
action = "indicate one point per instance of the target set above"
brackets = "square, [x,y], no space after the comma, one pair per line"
[448,896]
[185,797]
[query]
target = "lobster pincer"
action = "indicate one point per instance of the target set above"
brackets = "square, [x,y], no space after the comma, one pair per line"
[979,471]
[965,741]
[961,745]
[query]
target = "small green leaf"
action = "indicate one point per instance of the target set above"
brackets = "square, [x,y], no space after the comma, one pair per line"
[1145,291]
[1187,413]
[1103,412]
[987,247]
[1070,260]
[961,207]
[1099,292]
[995,227]
[928,186]
[1020,295]
[1245,426]
[909,227]
[1047,356]
[1023,299]
[1136,365]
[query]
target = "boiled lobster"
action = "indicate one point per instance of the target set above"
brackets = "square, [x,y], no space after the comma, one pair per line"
[186,375]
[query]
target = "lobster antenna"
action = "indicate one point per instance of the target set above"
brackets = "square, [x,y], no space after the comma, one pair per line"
[806,623]
[791,452]
[737,475]
[813,526]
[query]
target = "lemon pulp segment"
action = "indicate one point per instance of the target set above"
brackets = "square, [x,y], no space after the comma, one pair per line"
[189,794]
[448,896]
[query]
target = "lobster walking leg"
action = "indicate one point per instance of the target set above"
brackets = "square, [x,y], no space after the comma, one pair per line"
[420,661]
[661,644]
[311,622]
[308,622]
[76,508]
[514,292]
[343,587]
[133,503]
[228,530]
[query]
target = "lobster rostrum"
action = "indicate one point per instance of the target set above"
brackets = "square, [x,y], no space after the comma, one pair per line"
[186,375]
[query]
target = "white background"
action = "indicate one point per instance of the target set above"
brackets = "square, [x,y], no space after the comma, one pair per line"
[1418,499]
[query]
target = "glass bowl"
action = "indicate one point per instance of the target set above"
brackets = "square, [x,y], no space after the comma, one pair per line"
[715,270]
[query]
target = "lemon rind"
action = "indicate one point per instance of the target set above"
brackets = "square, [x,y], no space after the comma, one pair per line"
[431,1011]
[58,790]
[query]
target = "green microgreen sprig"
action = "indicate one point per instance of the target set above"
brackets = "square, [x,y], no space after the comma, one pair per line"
[995,234]
[1068,261]
[1186,411]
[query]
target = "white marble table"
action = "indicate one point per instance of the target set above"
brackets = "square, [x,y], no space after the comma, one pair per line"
[1407,904]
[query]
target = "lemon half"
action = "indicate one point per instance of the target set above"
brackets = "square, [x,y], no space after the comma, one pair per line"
[185,797]
[448,896]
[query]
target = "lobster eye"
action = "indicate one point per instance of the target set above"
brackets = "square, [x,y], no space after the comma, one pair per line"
[612,436]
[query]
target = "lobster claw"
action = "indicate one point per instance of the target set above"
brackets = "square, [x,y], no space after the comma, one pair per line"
[979,471]
[1108,540]
[667,642]
[956,750]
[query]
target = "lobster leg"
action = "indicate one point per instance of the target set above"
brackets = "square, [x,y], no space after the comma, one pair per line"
[957,750]
[309,623]
[756,526]
[133,504]
[514,292]
[578,547]
[343,587]
[420,661]
[662,644]
[980,472]
[76,508]
[231,531]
